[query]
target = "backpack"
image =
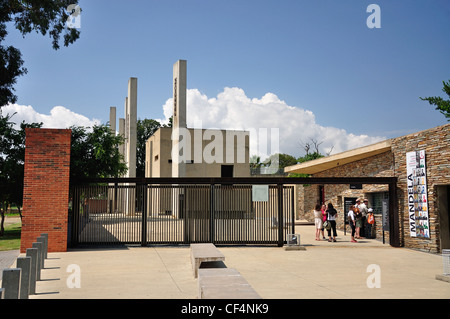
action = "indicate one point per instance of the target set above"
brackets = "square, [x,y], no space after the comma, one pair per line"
[349,218]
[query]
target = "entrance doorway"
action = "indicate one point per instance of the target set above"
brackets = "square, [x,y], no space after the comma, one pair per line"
[443,203]
[227,171]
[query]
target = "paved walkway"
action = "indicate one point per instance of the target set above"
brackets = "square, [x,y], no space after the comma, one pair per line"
[340,270]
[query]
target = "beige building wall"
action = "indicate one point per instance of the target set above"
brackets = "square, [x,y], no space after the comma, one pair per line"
[205,159]
[158,157]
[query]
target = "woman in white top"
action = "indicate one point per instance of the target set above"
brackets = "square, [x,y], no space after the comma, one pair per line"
[318,221]
[352,221]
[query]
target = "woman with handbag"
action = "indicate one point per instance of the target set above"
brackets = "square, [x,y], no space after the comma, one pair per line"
[358,222]
[331,218]
[324,219]
[318,220]
[352,221]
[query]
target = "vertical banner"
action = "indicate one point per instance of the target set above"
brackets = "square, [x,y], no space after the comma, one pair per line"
[417,194]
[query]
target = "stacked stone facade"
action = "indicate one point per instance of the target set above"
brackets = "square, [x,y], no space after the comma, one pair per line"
[435,142]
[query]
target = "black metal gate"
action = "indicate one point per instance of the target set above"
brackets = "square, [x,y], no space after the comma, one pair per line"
[158,211]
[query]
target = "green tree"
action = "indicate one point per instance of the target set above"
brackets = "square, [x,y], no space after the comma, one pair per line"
[283,160]
[442,105]
[144,129]
[309,157]
[42,16]
[12,156]
[95,154]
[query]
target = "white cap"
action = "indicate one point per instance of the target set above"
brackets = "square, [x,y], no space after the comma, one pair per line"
[370,210]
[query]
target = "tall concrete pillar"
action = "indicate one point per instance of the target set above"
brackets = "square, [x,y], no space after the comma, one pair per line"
[132,126]
[179,116]
[131,143]
[126,136]
[122,133]
[112,119]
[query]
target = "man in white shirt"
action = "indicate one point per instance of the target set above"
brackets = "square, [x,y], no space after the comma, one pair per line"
[363,209]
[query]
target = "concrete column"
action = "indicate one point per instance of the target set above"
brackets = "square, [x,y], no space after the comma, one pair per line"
[43,253]
[11,282]
[45,244]
[33,253]
[125,135]
[132,126]
[38,246]
[112,119]
[179,115]
[24,263]
[122,133]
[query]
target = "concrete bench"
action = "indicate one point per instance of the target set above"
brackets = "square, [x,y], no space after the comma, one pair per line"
[204,253]
[224,283]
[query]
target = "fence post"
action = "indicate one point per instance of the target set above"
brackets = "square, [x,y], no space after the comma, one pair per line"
[211,213]
[33,252]
[38,246]
[144,191]
[280,215]
[24,263]
[11,282]
[293,208]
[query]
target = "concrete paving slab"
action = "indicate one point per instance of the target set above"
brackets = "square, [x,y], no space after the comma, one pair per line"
[341,270]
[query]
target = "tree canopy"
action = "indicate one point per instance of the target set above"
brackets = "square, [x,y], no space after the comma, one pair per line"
[145,128]
[442,105]
[12,155]
[44,17]
[95,153]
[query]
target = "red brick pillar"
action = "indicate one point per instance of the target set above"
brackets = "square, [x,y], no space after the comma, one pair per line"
[46,188]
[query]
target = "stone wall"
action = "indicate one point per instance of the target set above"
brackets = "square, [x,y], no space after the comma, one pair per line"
[376,166]
[435,142]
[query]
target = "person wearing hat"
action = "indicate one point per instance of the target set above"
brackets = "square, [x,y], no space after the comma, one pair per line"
[363,209]
[370,222]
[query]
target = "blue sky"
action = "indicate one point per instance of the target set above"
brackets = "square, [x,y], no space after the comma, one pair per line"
[318,56]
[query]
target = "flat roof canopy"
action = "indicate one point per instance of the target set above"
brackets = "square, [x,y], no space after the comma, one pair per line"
[325,163]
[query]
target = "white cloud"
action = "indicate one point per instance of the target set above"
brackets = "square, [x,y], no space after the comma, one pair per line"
[59,117]
[232,109]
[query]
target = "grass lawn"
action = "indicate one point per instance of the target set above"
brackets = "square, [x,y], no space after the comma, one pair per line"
[11,238]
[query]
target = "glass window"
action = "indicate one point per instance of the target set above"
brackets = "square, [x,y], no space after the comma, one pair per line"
[376,201]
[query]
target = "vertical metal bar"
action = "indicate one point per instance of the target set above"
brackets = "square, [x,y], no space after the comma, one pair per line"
[211,213]
[76,214]
[293,208]
[280,215]
[144,189]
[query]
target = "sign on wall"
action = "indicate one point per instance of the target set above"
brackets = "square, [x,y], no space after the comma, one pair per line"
[260,193]
[417,194]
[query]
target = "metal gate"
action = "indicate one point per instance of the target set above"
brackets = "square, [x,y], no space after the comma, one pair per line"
[146,212]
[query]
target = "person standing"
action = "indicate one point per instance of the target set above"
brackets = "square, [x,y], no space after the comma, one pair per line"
[358,220]
[324,218]
[370,222]
[318,221]
[363,209]
[331,217]
[352,221]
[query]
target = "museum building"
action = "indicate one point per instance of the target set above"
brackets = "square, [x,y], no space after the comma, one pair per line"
[421,164]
